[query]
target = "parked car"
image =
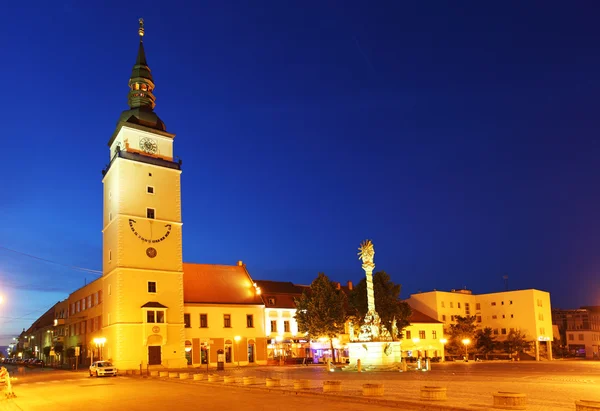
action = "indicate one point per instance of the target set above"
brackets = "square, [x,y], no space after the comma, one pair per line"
[38,363]
[100,368]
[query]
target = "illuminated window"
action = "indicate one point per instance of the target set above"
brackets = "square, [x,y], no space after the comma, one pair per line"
[227,320]
[422,334]
[203,320]
[187,320]
[150,213]
[273,326]
[151,286]
[541,317]
[286,326]
[271,301]
[249,321]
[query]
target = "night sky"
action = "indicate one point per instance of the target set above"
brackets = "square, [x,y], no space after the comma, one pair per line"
[461,137]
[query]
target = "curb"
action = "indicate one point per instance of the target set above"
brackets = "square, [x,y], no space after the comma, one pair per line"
[408,404]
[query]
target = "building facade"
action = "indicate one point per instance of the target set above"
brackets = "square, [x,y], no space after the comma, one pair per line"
[579,330]
[526,310]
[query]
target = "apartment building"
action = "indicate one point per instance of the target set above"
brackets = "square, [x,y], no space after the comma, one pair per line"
[526,310]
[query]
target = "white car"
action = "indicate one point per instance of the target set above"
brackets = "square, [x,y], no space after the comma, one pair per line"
[100,368]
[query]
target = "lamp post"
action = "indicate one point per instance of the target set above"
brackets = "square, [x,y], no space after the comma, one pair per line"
[466,342]
[100,344]
[237,339]
[443,341]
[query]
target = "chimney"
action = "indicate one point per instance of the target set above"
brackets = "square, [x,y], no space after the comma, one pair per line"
[338,286]
[350,285]
[240,263]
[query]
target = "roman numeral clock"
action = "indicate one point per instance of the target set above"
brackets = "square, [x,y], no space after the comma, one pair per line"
[150,232]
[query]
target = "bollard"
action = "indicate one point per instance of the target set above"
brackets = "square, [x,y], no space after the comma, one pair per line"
[273,382]
[301,384]
[372,390]
[154,373]
[173,375]
[430,393]
[249,380]
[229,379]
[184,375]
[403,365]
[427,365]
[587,405]
[163,373]
[332,386]
[510,400]
[214,378]
[198,377]
[358,365]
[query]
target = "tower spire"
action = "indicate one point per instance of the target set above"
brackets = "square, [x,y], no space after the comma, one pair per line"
[141,98]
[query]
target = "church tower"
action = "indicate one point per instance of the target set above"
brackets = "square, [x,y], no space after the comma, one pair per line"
[142,315]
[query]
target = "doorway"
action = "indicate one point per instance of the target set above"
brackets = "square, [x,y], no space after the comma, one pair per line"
[154,355]
[251,353]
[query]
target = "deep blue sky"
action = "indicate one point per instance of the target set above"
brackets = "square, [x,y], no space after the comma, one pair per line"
[462,138]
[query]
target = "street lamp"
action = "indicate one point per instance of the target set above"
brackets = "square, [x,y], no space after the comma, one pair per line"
[237,339]
[443,341]
[99,344]
[466,342]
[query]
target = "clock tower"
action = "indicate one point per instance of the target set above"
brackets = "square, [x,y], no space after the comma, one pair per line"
[142,315]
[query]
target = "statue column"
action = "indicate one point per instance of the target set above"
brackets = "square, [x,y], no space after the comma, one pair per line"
[368,267]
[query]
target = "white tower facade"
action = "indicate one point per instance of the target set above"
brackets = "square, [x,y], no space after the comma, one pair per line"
[142,316]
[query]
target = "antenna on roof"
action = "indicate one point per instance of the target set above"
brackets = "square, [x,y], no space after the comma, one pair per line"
[505,277]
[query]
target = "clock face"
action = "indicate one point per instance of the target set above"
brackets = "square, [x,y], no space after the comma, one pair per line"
[151,252]
[148,145]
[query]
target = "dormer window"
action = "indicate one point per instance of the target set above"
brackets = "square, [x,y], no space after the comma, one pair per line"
[271,301]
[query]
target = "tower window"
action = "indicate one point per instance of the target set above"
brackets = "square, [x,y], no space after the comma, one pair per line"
[150,213]
[151,286]
[150,189]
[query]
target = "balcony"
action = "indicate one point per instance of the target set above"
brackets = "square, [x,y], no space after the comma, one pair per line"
[143,159]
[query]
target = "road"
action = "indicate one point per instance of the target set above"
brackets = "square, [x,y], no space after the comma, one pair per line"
[548,385]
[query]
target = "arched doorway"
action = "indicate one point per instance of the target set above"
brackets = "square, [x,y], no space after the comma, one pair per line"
[188,351]
[154,349]
[251,351]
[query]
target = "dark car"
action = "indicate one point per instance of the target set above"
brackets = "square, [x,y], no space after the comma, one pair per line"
[37,363]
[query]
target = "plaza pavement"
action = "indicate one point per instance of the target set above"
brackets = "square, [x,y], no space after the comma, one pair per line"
[548,386]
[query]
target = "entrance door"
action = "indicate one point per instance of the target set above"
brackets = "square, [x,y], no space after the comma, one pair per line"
[154,357]
[251,353]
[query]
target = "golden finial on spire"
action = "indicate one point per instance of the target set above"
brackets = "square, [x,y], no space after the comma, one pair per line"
[141,29]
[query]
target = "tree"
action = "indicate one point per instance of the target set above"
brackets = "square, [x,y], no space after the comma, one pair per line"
[463,329]
[485,342]
[58,349]
[391,310]
[516,342]
[321,312]
[47,351]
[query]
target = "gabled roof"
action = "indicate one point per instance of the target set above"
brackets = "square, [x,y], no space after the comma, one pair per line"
[278,287]
[218,284]
[279,294]
[418,317]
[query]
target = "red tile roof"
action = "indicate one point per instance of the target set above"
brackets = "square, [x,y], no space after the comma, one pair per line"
[218,284]
[418,317]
